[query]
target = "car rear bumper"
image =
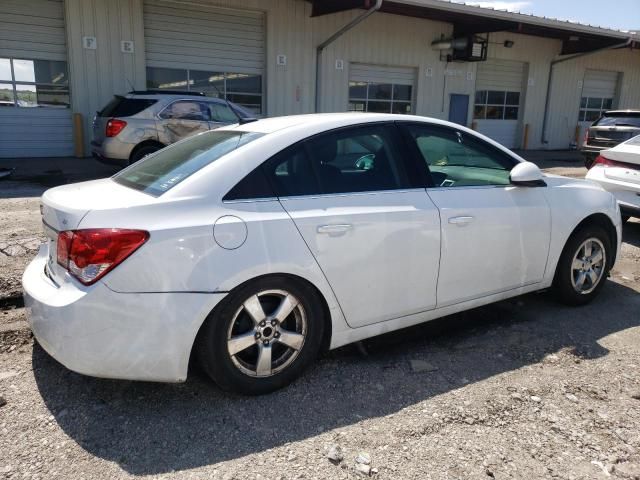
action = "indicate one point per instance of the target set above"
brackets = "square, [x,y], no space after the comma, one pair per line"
[99,153]
[627,194]
[96,331]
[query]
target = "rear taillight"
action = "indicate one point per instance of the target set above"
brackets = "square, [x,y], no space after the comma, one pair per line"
[89,254]
[114,127]
[606,162]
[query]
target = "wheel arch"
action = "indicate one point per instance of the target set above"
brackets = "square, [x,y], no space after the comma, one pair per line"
[328,323]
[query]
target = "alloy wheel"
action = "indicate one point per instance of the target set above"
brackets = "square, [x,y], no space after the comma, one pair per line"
[587,268]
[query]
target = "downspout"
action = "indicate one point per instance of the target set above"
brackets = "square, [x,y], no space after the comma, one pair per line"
[550,80]
[333,38]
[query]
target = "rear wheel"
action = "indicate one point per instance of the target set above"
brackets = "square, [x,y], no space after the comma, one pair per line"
[583,265]
[142,152]
[262,336]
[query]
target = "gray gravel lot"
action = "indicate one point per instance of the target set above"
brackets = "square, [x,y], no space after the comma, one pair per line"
[522,389]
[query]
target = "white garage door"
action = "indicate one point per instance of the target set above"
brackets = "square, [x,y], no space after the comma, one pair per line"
[35,119]
[599,91]
[499,95]
[381,89]
[200,48]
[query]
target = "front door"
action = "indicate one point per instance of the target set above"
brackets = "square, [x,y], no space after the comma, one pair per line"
[495,236]
[373,233]
[459,109]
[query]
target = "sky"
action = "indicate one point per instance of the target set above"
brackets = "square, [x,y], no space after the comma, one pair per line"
[618,14]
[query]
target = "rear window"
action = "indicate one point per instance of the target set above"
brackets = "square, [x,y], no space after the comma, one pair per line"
[163,170]
[126,107]
[620,120]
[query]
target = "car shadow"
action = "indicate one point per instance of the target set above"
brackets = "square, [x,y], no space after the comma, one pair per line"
[152,428]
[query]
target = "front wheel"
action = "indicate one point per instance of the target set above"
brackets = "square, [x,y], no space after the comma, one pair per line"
[583,266]
[262,336]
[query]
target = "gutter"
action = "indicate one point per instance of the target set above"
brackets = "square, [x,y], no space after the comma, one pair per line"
[547,100]
[332,39]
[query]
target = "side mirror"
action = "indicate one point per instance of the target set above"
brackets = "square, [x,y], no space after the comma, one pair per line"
[527,174]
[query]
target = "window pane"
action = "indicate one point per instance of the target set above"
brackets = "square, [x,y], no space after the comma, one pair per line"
[607,103]
[357,90]
[254,185]
[592,115]
[186,110]
[513,98]
[511,113]
[24,70]
[220,112]
[291,174]
[47,71]
[357,160]
[402,92]
[5,69]
[380,91]
[379,107]
[166,78]
[480,112]
[594,103]
[120,106]
[495,113]
[6,95]
[27,96]
[496,98]
[355,106]
[456,159]
[243,83]
[51,96]
[165,169]
[583,102]
[403,108]
[481,96]
[208,82]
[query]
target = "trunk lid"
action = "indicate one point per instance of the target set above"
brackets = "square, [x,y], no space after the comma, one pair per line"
[628,170]
[64,207]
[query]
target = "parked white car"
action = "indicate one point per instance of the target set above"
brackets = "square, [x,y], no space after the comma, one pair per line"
[256,246]
[618,171]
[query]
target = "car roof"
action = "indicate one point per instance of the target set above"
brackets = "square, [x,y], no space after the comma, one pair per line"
[274,124]
[617,112]
[173,96]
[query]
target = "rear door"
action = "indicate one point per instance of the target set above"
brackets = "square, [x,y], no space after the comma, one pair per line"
[181,119]
[375,235]
[495,236]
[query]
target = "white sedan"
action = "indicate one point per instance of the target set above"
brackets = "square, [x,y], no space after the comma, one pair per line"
[255,247]
[618,171]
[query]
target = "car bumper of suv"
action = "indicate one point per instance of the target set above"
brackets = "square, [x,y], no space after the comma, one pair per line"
[98,332]
[98,153]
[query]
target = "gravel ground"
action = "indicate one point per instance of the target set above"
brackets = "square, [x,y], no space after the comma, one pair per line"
[521,389]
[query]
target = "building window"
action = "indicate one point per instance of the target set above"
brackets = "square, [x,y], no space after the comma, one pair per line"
[592,108]
[240,88]
[496,105]
[33,83]
[380,97]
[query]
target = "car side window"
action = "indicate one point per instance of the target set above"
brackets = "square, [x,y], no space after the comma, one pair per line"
[456,159]
[186,110]
[220,112]
[291,174]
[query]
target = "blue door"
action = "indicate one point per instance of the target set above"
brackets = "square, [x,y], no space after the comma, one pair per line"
[458,109]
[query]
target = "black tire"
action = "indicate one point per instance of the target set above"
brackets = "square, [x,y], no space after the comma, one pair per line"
[142,152]
[226,370]
[564,279]
[588,161]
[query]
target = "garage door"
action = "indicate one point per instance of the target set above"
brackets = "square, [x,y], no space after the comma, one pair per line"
[499,95]
[381,89]
[201,48]
[599,90]
[35,119]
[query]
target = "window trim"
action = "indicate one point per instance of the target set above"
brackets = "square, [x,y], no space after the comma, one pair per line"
[391,101]
[417,155]
[504,105]
[583,111]
[168,105]
[14,83]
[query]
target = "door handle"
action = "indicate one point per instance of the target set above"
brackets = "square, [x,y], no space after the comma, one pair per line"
[461,221]
[335,229]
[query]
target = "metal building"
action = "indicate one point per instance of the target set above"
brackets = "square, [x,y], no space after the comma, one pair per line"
[526,81]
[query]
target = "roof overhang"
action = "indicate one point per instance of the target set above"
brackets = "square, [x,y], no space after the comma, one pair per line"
[467,19]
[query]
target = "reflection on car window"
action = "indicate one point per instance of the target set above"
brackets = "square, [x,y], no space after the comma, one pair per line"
[163,170]
[186,110]
[221,112]
[358,159]
[455,159]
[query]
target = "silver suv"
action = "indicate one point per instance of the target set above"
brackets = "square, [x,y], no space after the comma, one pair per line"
[133,126]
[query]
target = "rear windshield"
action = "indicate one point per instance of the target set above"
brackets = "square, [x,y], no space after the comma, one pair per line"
[125,107]
[168,167]
[619,120]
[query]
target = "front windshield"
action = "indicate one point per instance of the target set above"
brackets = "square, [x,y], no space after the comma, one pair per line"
[165,169]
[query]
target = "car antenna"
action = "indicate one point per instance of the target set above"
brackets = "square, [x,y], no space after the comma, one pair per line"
[241,120]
